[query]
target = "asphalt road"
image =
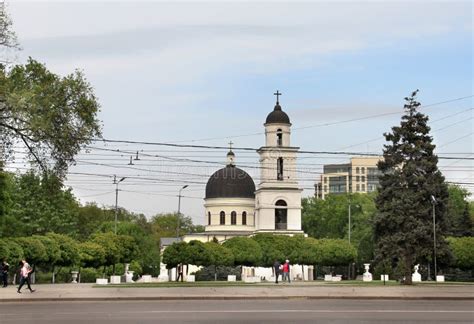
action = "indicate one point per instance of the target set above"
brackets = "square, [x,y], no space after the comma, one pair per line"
[240,311]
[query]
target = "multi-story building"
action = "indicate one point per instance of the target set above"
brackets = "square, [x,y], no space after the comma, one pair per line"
[360,175]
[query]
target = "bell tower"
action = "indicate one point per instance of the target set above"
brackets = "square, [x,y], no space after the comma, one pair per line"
[278,197]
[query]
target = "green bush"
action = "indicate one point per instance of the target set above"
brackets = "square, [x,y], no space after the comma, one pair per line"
[90,274]
[463,252]
[207,273]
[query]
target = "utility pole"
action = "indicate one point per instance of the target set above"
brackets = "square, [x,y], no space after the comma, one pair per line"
[433,202]
[179,211]
[116,201]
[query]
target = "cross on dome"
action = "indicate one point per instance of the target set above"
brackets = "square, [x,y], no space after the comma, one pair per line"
[277,94]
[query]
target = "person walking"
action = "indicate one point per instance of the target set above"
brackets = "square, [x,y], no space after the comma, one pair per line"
[277,266]
[4,273]
[25,276]
[179,270]
[286,271]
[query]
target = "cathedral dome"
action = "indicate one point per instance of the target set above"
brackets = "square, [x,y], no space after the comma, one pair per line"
[230,182]
[277,116]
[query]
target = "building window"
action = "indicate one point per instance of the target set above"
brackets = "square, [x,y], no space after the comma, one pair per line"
[357,179]
[233,218]
[280,168]
[244,218]
[362,170]
[325,188]
[357,187]
[281,213]
[357,170]
[208,218]
[279,137]
[222,218]
[325,180]
[362,178]
[363,187]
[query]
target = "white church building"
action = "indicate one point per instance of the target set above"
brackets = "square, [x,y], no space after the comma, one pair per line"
[234,206]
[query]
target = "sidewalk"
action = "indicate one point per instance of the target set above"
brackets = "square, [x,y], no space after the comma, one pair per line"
[86,292]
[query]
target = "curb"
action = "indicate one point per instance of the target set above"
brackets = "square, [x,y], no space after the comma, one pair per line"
[183,298]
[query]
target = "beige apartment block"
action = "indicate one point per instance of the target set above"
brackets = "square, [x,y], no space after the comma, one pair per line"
[360,175]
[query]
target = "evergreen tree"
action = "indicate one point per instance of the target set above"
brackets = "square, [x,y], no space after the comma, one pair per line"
[403,226]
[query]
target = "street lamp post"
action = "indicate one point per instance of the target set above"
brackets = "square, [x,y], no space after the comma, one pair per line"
[179,210]
[116,201]
[433,202]
[349,222]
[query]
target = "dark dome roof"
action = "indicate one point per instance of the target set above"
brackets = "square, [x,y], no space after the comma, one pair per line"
[230,182]
[277,116]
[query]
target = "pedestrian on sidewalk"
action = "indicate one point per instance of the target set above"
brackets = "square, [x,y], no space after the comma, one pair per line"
[179,270]
[4,273]
[286,271]
[25,276]
[277,268]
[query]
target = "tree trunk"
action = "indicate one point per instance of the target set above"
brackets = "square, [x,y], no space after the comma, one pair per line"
[215,273]
[302,272]
[113,269]
[53,279]
[408,267]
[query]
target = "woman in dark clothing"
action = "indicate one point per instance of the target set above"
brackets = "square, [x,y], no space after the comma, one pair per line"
[4,273]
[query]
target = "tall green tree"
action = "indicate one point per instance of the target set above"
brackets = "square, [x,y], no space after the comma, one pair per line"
[165,225]
[8,39]
[53,117]
[403,226]
[39,204]
[459,220]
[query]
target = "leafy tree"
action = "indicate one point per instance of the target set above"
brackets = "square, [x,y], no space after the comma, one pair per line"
[410,177]
[176,253]
[219,255]
[271,247]
[6,185]
[8,39]
[463,251]
[39,205]
[15,251]
[458,219]
[164,225]
[69,249]
[34,251]
[337,252]
[109,242]
[198,254]
[246,251]
[53,250]
[128,248]
[92,255]
[52,116]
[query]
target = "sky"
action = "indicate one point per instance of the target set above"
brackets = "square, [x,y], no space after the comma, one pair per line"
[204,73]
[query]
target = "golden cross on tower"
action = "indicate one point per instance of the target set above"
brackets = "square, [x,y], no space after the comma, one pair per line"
[278,94]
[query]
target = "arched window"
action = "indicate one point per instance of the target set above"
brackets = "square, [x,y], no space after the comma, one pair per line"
[357,170]
[281,213]
[280,168]
[222,218]
[244,218]
[279,137]
[233,218]
[208,218]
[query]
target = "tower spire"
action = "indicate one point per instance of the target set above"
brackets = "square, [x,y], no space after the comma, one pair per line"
[230,155]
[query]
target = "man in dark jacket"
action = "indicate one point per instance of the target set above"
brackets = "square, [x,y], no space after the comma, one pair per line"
[276,266]
[4,272]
